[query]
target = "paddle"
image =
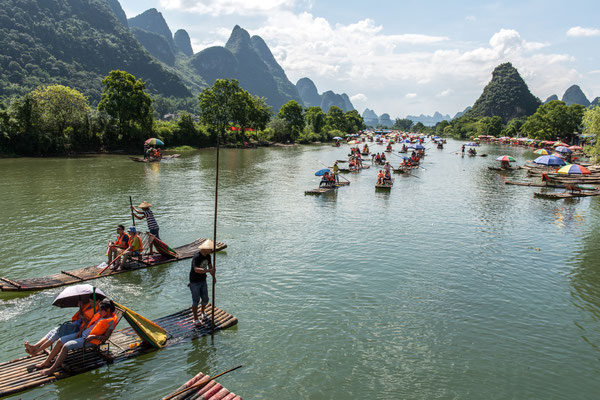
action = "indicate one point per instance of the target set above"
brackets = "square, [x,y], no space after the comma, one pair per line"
[202,382]
[131,204]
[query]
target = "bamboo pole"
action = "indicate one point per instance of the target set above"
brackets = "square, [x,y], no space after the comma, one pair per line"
[212,329]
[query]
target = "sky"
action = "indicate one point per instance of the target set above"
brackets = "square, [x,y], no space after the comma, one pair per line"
[407,57]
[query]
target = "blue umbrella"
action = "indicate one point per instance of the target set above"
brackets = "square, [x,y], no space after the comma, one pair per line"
[321,172]
[405,141]
[337,138]
[472,144]
[416,146]
[563,149]
[549,160]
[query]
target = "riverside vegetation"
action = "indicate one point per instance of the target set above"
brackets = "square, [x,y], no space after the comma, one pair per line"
[58,120]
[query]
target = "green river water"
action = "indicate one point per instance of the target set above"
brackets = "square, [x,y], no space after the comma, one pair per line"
[450,286]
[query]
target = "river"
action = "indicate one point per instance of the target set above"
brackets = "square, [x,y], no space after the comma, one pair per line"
[451,285]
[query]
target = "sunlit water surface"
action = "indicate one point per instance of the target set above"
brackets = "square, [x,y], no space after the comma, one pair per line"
[451,285]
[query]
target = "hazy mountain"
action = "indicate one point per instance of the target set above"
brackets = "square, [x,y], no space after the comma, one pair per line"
[370,118]
[153,21]
[461,113]
[183,42]
[311,97]
[74,43]
[595,102]
[506,96]
[551,98]
[156,44]
[308,93]
[429,120]
[574,95]
[385,120]
[115,6]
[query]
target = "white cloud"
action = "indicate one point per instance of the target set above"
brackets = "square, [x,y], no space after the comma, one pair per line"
[359,97]
[227,7]
[445,93]
[470,18]
[578,31]
[410,95]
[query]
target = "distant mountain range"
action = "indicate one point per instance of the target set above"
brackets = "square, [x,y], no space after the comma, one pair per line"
[311,97]
[371,119]
[574,95]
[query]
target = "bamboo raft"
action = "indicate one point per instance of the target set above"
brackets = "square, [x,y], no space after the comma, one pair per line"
[549,184]
[89,273]
[151,160]
[566,195]
[504,169]
[17,375]
[386,185]
[345,170]
[320,190]
[210,391]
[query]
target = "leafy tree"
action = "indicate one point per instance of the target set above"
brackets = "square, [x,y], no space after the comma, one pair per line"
[315,119]
[403,124]
[591,126]
[59,106]
[553,119]
[125,100]
[292,113]
[440,127]
[419,127]
[490,126]
[354,121]
[278,130]
[513,128]
[219,105]
[336,119]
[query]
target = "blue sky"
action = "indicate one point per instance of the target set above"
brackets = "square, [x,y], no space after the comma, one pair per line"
[407,57]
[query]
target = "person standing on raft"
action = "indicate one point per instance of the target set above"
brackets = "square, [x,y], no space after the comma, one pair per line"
[147,213]
[201,265]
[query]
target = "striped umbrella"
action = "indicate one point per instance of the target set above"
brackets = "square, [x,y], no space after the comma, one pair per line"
[560,144]
[574,169]
[154,142]
[562,149]
[542,152]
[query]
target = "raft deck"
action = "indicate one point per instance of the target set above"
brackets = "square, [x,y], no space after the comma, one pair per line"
[321,190]
[211,391]
[88,273]
[17,375]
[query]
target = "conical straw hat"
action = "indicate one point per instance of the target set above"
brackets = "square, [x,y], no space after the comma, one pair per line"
[206,245]
[145,204]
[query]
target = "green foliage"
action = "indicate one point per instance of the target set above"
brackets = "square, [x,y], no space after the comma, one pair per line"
[315,119]
[591,126]
[513,128]
[440,127]
[506,96]
[353,121]
[292,113]
[335,119]
[125,100]
[490,126]
[419,127]
[59,107]
[552,120]
[403,124]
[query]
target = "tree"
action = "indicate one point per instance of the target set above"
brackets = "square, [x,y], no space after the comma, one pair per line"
[60,106]
[591,126]
[292,113]
[354,121]
[490,126]
[440,127]
[552,120]
[419,127]
[220,105]
[403,124]
[125,100]
[336,119]
[315,119]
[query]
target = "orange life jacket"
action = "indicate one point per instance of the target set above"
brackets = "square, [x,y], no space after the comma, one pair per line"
[88,313]
[140,244]
[120,243]
[101,325]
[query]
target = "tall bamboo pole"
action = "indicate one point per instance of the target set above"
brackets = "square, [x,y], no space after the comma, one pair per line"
[212,329]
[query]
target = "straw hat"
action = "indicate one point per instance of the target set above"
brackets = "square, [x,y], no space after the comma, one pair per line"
[206,245]
[145,204]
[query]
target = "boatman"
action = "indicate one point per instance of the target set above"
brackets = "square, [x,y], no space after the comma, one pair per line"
[201,265]
[336,171]
[147,213]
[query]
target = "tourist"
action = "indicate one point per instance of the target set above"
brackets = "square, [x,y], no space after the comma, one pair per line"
[462,149]
[120,245]
[324,180]
[387,167]
[96,332]
[336,172]
[79,320]
[134,250]
[201,265]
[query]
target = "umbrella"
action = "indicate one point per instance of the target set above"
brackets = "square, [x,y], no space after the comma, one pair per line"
[574,169]
[549,160]
[416,146]
[405,141]
[575,147]
[505,158]
[154,142]
[322,172]
[563,149]
[472,144]
[70,296]
[560,144]
[542,152]
[337,138]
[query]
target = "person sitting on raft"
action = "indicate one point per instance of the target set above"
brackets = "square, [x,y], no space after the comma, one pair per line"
[97,331]
[325,180]
[380,177]
[504,164]
[78,322]
[389,147]
[472,151]
[383,158]
[377,158]
[387,178]
[135,249]
[119,245]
